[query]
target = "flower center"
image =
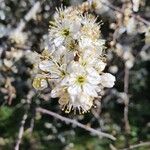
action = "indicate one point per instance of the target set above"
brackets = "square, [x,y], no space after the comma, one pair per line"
[65,32]
[81,79]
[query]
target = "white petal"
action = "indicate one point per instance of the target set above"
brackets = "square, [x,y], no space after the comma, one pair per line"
[86,102]
[94,77]
[107,80]
[92,72]
[75,27]
[89,90]
[55,92]
[58,41]
[75,67]
[74,89]
[45,65]
[68,81]
[100,66]
[94,80]
[73,99]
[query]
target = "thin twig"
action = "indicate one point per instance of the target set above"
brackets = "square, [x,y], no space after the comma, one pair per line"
[126,103]
[143,144]
[21,131]
[27,108]
[68,120]
[139,18]
[31,14]
[126,84]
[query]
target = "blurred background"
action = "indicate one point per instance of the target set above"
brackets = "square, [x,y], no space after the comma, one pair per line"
[123,111]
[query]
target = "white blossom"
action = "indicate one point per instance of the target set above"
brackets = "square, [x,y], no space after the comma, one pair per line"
[73,61]
[81,81]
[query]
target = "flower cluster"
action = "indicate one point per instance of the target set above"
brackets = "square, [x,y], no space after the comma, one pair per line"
[73,62]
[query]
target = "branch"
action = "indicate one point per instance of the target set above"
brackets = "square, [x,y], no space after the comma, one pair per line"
[21,131]
[31,14]
[67,120]
[24,118]
[139,18]
[126,103]
[137,145]
[126,84]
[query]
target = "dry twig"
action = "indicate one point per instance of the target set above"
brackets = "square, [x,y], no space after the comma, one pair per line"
[112,7]
[126,103]
[139,18]
[31,14]
[21,131]
[68,120]
[143,144]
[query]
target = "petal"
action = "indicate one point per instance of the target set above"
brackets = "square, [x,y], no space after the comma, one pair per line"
[55,92]
[75,27]
[68,80]
[45,65]
[100,65]
[65,81]
[74,90]
[89,90]
[58,41]
[94,80]
[93,72]
[107,80]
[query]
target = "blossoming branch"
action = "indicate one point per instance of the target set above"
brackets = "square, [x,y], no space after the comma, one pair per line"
[73,62]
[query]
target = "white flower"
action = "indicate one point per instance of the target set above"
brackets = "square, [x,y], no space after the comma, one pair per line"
[73,62]
[62,55]
[67,13]
[87,61]
[90,46]
[82,81]
[107,80]
[90,28]
[85,43]
[64,30]
[49,67]
[81,102]
[54,68]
